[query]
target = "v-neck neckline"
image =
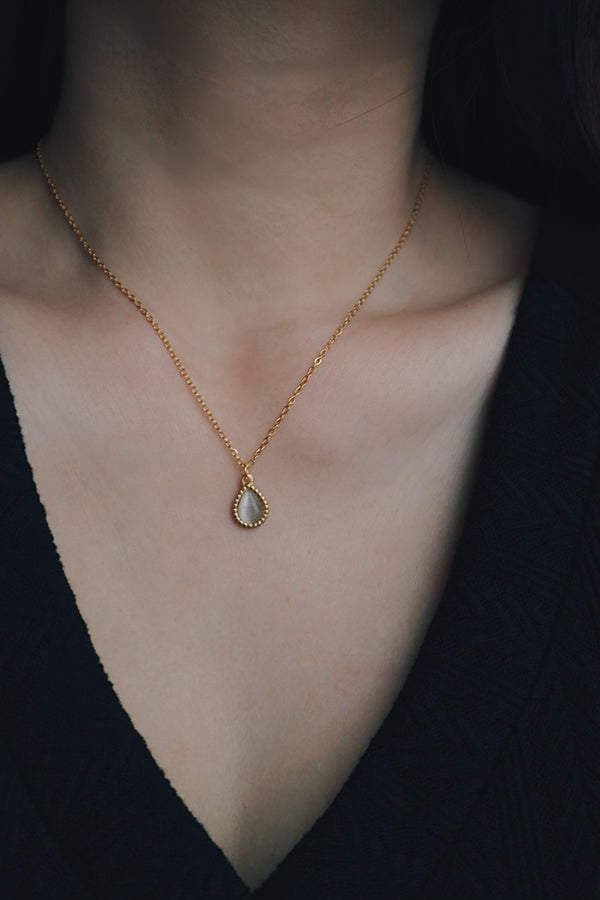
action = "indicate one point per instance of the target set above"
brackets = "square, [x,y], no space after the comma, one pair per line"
[456,703]
[438,744]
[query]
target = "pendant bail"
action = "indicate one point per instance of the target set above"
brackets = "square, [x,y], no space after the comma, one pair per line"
[247,478]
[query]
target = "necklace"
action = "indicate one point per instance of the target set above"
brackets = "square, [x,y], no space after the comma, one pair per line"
[250,507]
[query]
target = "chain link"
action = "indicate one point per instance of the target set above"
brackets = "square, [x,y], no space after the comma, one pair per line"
[245,465]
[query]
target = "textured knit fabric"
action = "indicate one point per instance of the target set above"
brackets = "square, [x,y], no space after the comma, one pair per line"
[484,779]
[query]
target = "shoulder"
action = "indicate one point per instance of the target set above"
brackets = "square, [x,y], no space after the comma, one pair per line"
[32,252]
[476,242]
[21,242]
[503,235]
[552,258]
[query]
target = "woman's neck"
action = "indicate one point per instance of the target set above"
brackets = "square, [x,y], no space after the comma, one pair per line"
[265,143]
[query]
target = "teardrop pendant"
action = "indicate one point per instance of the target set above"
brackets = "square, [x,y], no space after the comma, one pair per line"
[250,507]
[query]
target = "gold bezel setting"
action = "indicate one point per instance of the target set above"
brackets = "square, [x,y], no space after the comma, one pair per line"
[236,503]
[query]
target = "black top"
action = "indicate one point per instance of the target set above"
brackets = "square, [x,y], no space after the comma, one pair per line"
[484,780]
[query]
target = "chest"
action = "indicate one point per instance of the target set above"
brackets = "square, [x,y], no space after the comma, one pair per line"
[256,664]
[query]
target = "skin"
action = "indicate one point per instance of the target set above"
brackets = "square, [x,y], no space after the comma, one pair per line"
[245,168]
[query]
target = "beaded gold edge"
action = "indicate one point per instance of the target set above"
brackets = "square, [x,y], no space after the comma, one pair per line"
[236,504]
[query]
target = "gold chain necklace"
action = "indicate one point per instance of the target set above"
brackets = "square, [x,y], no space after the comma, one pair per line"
[250,507]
